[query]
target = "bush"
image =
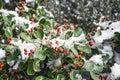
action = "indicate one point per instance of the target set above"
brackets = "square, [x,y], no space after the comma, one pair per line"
[33,46]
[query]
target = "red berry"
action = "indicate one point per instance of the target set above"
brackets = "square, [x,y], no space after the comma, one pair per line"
[55,71]
[112,28]
[77,56]
[66,51]
[32,19]
[91,43]
[64,67]
[55,54]
[80,52]
[50,43]
[89,35]
[76,26]
[96,30]
[56,26]
[77,64]
[58,31]
[57,42]
[63,29]
[66,20]
[9,39]
[25,50]
[60,49]
[25,53]
[32,51]
[68,73]
[56,49]
[30,54]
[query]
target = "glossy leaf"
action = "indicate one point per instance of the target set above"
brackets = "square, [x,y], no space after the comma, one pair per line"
[30,70]
[89,66]
[7,33]
[68,34]
[36,65]
[93,75]
[40,34]
[60,77]
[39,54]
[25,37]
[74,50]
[85,48]
[73,74]
[78,31]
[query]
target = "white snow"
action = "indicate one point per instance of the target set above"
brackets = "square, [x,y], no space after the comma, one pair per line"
[109,33]
[78,76]
[7,1]
[6,12]
[115,70]
[97,59]
[20,20]
[2,53]
[117,58]
[28,1]
[24,45]
[56,63]
[16,65]
[67,43]
[107,49]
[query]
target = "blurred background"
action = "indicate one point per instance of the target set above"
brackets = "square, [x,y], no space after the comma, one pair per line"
[81,12]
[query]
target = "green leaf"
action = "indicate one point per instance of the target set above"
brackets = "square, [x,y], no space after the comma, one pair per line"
[85,48]
[13,26]
[25,37]
[74,50]
[0,4]
[39,78]
[7,33]
[117,35]
[40,34]
[42,21]
[47,24]
[25,26]
[97,68]
[78,31]
[49,53]
[89,66]
[73,75]
[93,75]
[16,54]
[1,18]
[36,65]
[68,34]
[52,24]
[21,65]
[1,79]
[39,54]
[105,57]
[60,77]
[30,70]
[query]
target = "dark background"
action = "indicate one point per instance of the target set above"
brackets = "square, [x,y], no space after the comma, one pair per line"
[82,12]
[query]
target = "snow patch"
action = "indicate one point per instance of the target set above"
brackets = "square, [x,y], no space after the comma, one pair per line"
[2,53]
[115,70]
[97,59]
